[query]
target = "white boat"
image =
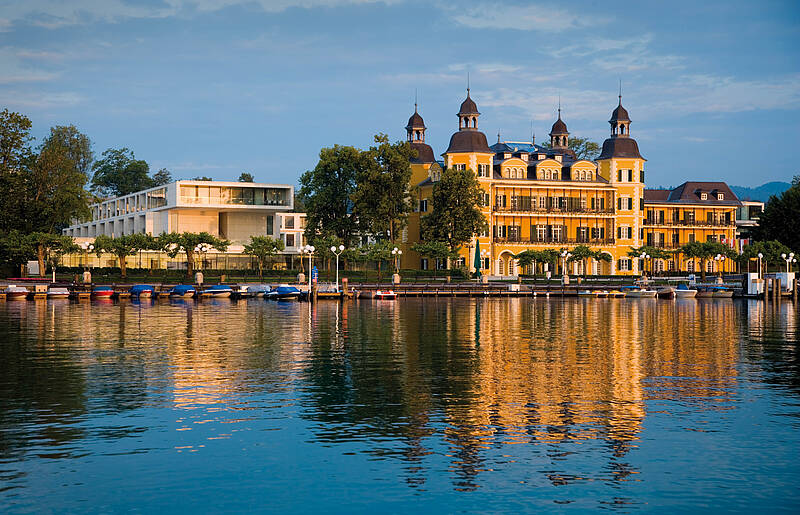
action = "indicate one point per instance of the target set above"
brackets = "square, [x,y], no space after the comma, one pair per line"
[684,292]
[16,292]
[640,293]
[385,295]
[58,293]
[258,290]
[588,293]
[666,292]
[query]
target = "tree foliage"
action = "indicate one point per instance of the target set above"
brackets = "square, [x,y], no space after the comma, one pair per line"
[174,243]
[246,177]
[583,147]
[263,248]
[770,250]
[382,200]
[49,248]
[456,216]
[780,219]
[705,250]
[326,193]
[124,246]
[435,250]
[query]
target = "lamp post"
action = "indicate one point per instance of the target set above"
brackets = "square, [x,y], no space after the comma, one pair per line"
[788,259]
[760,256]
[565,256]
[87,248]
[340,250]
[484,255]
[396,253]
[308,249]
[200,249]
[719,258]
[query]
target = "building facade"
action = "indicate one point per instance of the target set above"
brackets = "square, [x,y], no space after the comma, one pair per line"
[538,197]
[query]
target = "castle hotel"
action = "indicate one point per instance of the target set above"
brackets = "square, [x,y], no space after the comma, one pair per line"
[548,198]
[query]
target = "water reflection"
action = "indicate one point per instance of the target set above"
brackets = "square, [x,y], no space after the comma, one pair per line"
[554,392]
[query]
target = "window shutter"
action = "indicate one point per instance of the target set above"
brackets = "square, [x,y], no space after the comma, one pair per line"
[619,232]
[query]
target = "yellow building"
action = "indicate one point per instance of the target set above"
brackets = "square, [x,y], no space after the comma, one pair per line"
[544,198]
[694,211]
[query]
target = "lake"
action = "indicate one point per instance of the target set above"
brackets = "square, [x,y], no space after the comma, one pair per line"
[470,405]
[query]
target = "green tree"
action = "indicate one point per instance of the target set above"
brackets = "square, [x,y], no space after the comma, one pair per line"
[381,200]
[246,177]
[435,250]
[583,147]
[16,157]
[378,252]
[120,173]
[75,145]
[202,178]
[16,248]
[770,250]
[123,246]
[162,177]
[780,219]
[583,253]
[532,257]
[456,216]
[174,243]
[263,248]
[705,250]
[326,192]
[49,248]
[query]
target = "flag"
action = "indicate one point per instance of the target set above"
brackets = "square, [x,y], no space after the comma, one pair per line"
[477,257]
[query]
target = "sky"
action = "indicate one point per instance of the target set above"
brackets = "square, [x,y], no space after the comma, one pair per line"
[219,87]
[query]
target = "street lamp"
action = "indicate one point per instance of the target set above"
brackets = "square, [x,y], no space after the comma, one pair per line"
[396,253]
[721,260]
[760,255]
[308,249]
[201,248]
[565,255]
[788,259]
[87,248]
[340,249]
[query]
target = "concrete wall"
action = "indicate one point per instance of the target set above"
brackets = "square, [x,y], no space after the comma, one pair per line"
[195,221]
[239,226]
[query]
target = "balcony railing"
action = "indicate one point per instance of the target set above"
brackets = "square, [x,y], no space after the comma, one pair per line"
[554,210]
[689,223]
[230,201]
[556,241]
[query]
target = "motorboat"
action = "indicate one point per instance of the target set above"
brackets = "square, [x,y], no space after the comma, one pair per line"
[704,292]
[182,291]
[16,292]
[102,292]
[638,292]
[588,293]
[616,293]
[684,292]
[666,292]
[385,295]
[258,290]
[58,293]
[602,293]
[142,291]
[283,292]
[720,292]
[217,291]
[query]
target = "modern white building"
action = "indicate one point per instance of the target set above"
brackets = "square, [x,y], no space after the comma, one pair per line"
[230,210]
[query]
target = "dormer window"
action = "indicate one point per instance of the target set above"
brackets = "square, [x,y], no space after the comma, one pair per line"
[704,196]
[720,196]
[506,155]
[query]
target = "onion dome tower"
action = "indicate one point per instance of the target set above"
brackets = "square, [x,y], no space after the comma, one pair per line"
[416,137]
[468,138]
[559,135]
[620,144]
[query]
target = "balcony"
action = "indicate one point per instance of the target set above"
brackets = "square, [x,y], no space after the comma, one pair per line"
[557,241]
[554,210]
[215,201]
[688,223]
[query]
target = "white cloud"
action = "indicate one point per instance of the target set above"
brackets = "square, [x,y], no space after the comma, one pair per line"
[15,70]
[31,100]
[503,16]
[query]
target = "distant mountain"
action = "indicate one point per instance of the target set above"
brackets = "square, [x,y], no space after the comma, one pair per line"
[762,192]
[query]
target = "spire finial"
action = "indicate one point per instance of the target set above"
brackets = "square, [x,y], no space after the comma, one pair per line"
[533,135]
[415,100]
[620,92]
[559,106]
[498,135]
[467,83]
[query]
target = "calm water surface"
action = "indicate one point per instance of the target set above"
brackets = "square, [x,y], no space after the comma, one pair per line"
[447,405]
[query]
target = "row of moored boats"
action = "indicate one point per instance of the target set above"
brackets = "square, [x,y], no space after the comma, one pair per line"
[180,291]
[682,291]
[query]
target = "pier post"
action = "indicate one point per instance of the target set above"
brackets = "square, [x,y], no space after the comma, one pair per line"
[794,290]
[777,288]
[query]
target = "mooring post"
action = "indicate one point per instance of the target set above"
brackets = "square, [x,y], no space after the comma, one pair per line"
[794,290]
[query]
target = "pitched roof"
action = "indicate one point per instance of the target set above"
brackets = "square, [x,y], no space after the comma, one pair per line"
[468,106]
[468,141]
[691,192]
[624,147]
[656,195]
[415,122]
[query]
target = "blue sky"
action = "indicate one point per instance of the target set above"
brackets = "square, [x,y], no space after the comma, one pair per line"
[219,87]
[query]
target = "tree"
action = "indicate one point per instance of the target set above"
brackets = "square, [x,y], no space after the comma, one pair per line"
[76,146]
[378,252]
[583,147]
[246,177]
[326,192]
[435,250]
[49,248]
[16,248]
[174,243]
[531,257]
[16,157]
[780,219]
[583,252]
[120,173]
[705,250]
[123,246]
[456,214]
[162,177]
[262,248]
[381,200]
[202,178]
[770,250]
